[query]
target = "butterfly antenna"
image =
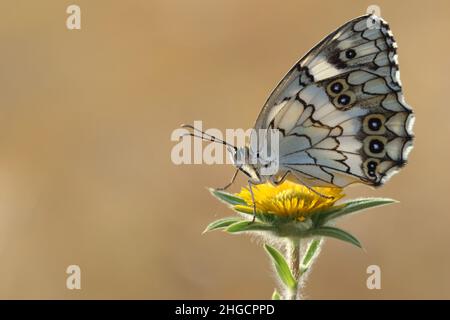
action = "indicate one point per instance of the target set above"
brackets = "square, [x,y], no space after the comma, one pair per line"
[205,136]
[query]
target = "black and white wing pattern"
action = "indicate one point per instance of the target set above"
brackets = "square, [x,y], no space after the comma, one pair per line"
[341,110]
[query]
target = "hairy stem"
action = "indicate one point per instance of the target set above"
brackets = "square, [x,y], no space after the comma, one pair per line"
[294,264]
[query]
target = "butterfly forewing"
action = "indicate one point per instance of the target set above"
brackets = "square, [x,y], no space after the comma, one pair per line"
[341,111]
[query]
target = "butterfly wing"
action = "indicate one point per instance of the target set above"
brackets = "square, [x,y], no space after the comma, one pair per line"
[341,110]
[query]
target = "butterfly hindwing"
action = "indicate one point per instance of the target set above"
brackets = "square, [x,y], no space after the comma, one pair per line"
[341,110]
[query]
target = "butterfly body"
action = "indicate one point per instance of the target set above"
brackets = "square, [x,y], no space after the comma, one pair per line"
[340,111]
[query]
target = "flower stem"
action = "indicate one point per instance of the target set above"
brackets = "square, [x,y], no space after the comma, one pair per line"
[294,264]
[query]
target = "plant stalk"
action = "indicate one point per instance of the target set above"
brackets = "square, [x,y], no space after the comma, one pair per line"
[294,264]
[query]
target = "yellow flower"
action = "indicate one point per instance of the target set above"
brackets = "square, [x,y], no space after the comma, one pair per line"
[288,199]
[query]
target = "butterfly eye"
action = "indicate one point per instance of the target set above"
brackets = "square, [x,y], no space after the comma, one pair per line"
[374,146]
[336,87]
[344,100]
[370,167]
[350,54]
[374,124]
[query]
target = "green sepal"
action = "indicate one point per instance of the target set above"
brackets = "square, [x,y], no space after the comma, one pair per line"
[281,266]
[310,254]
[226,197]
[352,206]
[336,233]
[276,295]
[245,226]
[221,224]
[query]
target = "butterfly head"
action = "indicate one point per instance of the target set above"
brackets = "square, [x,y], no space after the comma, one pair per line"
[243,160]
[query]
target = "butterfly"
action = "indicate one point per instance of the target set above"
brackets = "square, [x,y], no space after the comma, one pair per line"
[340,111]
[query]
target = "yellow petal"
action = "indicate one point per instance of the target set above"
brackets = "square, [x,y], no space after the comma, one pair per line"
[289,199]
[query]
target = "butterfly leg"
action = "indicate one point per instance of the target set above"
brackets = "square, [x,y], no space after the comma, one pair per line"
[281,180]
[231,182]
[253,199]
[311,188]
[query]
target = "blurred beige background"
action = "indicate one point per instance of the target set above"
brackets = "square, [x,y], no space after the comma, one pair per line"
[85,170]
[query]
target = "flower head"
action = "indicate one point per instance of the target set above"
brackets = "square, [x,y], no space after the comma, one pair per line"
[289,214]
[292,211]
[288,199]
